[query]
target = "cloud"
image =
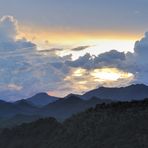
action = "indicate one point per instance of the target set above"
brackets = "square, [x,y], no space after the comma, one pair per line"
[14,87]
[58,50]
[111,56]
[8,29]
[25,71]
[85,61]
[52,50]
[80,48]
[142,45]
[107,59]
[8,35]
[134,62]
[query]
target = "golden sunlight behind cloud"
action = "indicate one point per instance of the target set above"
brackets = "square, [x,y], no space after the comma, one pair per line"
[110,74]
[50,38]
[84,80]
[79,72]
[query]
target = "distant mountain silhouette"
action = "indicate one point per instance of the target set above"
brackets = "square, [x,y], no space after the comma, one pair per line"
[2,102]
[60,109]
[132,92]
[71,95]
[23,102]
[8,110]
[42,105]
[26,107]
[69,105]
[41,99]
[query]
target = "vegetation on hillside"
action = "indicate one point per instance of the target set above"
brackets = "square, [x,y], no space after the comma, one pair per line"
[115,125]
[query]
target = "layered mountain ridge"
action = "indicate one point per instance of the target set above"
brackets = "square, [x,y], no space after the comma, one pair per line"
[43,105]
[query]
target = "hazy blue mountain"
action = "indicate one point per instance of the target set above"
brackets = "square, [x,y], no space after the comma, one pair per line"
[26,107]
[8,109]
[60,109]
[132,92]
[41,99]
[64,108]
[16,113]
[2,102]
[23,103]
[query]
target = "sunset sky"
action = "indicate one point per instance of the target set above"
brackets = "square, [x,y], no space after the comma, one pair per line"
[71,46]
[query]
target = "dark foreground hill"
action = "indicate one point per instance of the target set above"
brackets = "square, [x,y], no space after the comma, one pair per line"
[115,125]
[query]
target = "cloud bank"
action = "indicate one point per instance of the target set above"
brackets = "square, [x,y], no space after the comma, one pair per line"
[135,62]
[25,71]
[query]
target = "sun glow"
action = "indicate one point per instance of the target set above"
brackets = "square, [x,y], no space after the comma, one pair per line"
[110,74]
[102,45]
[79,72]
[99,42]
[83,79]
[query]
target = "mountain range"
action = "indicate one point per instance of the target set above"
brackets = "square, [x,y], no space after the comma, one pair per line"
[42,99]
[132,92]
[43,105]
[60,109]
[113,125]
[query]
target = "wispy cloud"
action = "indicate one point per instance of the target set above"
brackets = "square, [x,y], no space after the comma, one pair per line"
[80,48]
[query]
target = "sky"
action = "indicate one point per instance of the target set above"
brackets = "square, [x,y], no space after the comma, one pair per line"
[71,46]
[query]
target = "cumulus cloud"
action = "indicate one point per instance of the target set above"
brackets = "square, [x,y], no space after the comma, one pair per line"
[8,29]
[112,58]
[134,62]
[25,71]
[8,34]
[142,45]
[85,61]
